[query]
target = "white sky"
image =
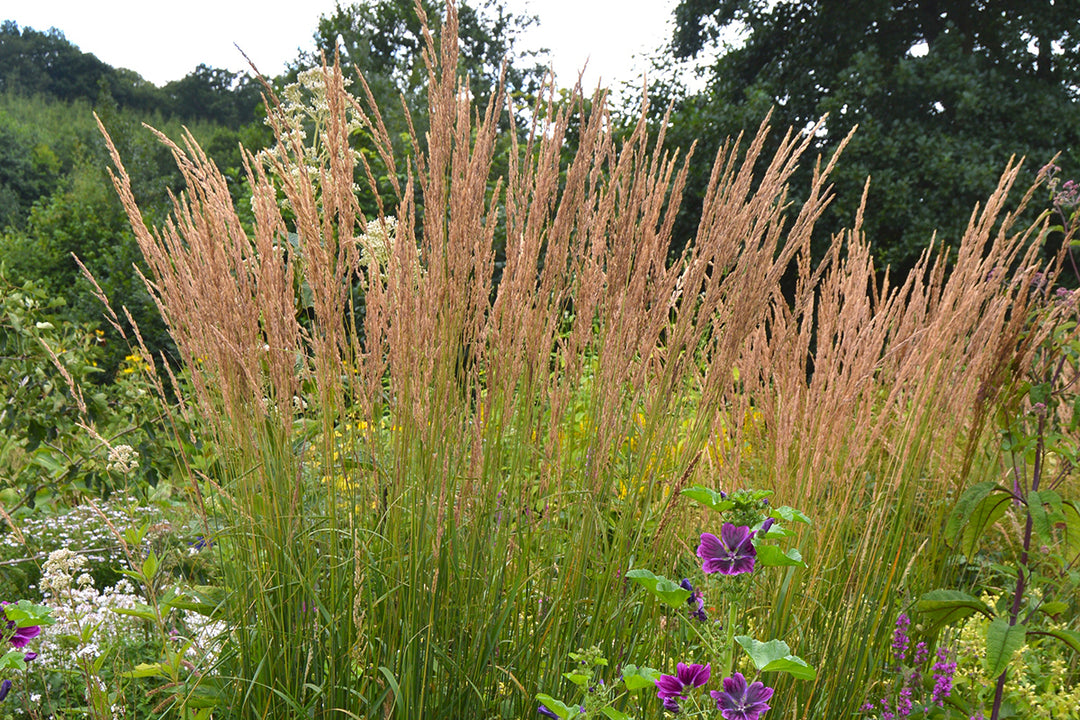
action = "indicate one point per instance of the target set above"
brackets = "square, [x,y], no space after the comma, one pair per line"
[164,41]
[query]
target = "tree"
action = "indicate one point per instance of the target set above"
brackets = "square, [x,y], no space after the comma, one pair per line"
[943,94]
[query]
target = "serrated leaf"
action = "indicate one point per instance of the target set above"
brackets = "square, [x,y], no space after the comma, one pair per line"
[13,660]
[941,607]
[772,556]
[666,590]
[150,566]
[635,678]
[708,497]
[1002,642]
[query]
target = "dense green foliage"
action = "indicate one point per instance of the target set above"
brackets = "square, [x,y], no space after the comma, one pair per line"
[943,95]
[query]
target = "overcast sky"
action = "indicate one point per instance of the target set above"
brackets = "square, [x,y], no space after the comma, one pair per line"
[164,41]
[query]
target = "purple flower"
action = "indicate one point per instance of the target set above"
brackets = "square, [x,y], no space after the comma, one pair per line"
[543,710]
[29,656]
[766,525]
[685,677]
[730,554]
[900,641]
[4,688]
[943,677]
[672,706]
[22,635]
[696,602]
[921,653]
[739,701]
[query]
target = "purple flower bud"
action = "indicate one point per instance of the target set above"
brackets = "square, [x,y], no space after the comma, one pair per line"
[4,688]
[766,525]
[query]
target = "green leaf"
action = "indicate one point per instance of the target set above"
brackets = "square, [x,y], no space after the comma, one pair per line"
[26,614]
[143,670]
[792,665]
[661,587]
[941,607]
[1069,637]
[13,660]
[579,679]
[775,655]
[1053,608]
[635,678]
[614,714]
[708,497]
[789,514]
[772,556]
[1002,642]
[1040,520]
[139,610]
[150,566]
[965,507]
[985,513]
[561,709]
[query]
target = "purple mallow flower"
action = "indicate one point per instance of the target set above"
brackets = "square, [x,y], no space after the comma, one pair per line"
[696,602]
[4,688]
[672,705]
[22,635]
[740,701]
[730,554]
[543,710]
[685,678]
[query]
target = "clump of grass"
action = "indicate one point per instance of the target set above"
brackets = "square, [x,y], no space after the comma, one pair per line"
[432,484]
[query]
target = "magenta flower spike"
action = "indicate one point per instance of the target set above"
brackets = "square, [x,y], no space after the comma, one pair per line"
[732,553]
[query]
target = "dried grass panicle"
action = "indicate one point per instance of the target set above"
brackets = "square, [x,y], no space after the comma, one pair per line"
[588,298]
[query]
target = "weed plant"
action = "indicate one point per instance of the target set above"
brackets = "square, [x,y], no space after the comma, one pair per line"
[430,486]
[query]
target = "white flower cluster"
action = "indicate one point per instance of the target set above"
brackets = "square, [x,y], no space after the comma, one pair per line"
[207,637]
[378,241]
[81,528]
[86,619]
[304,106]
[123,459]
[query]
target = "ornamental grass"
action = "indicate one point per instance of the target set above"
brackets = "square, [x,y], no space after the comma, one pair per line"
[446,424]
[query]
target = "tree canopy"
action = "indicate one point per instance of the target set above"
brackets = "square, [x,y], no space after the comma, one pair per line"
[943,93]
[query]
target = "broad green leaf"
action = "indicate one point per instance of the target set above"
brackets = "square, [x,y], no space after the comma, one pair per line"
[13,660]
[763,653]
[635,678]
[579,679]
[26,614]
[708,497]
[789,514]
[772,556]
[668,591]
[1002,642]
[775,655]
[614,714]
[792,665]
[561,709]
[941,607]
[1070,517]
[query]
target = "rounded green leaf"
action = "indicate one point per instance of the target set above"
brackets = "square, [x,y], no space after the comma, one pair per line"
[666,590]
